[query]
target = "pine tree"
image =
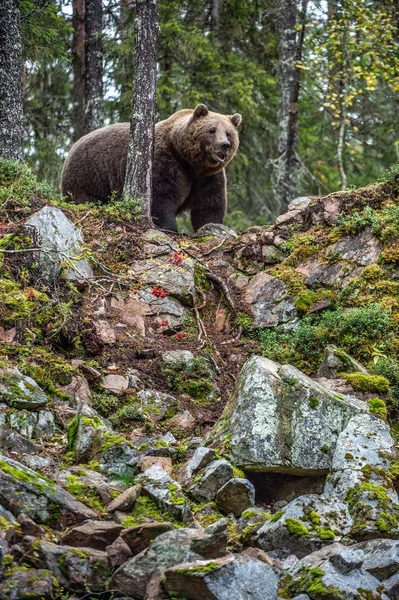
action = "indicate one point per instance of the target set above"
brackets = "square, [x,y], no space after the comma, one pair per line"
[94,110]
[138,182]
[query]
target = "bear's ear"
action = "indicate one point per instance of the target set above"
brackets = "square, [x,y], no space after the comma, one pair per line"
[235,119]
[200,111]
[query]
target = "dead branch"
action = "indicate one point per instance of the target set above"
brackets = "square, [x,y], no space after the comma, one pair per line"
[223,286]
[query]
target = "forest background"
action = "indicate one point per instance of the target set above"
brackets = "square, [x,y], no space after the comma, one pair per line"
[320,79]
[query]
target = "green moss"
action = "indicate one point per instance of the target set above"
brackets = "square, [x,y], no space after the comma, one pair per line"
[313,401]
[41,483]
[309,581]
[366,383]
[296,528]
[194,378]
[4,524]
[84,493]
[197,569]
[324,533]
[144,509]
[314,518]
[113,440]
[276,516]
[387,522]
[238,473]
[247,514]
[244,321]
[378,407]
[349,456]
[72,432]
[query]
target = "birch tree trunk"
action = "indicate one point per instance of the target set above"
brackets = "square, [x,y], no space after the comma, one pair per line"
[78,64]
[138,180]
[290,55]
[94,113]
[11,125]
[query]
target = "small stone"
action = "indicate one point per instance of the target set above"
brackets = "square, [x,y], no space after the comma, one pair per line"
[183,422]
[116,384]
[105,332]
[215,230]
[118,552]
[154,403]
[93,534]
[208,482]
[177,358]
[61,243]
[167,493]
[269,301]
[140,537]
[20,391]
[163,461]
[200,459]
[125,500]
[236,496]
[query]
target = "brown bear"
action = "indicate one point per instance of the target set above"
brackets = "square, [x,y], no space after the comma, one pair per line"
[192,148]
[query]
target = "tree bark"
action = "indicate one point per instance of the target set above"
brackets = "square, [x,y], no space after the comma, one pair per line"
[138,181]
[78,64]
[94,113]
[290,54]
[11,124]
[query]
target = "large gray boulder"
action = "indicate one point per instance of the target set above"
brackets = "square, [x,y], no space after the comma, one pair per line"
[60,242]
[303,526]
[278,419]
[360,476]
[238,577]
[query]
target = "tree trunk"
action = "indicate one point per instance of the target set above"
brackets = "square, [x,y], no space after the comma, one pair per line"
[290,54]
[138,181]
[94,113]
[11,125]
[78,64]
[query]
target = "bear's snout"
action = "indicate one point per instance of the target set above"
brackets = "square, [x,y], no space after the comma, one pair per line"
[225,146]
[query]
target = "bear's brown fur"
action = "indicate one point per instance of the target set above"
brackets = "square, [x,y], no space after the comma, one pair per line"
[192,148]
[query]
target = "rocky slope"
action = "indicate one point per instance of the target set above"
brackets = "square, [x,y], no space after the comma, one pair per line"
[204,418]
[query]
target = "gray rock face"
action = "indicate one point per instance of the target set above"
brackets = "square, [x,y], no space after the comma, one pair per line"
[209,481]
[278,419]
[362,248]
[24,490]
[140,537]
[238,577]
[268,299]
[236,496]
[20,391]
[303,526]
[167,493]
[118,457]
[60,242]
[380,557]
[338,569]
[360,476]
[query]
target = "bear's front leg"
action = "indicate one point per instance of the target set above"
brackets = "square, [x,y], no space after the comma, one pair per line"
[170,187]
[208,200]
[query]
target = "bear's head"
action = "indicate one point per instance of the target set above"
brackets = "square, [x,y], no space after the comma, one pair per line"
[209,140]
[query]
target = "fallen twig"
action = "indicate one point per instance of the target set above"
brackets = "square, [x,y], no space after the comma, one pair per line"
[222,284]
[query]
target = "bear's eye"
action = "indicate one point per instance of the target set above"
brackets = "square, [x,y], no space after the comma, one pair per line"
[213,130]
[228,134]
